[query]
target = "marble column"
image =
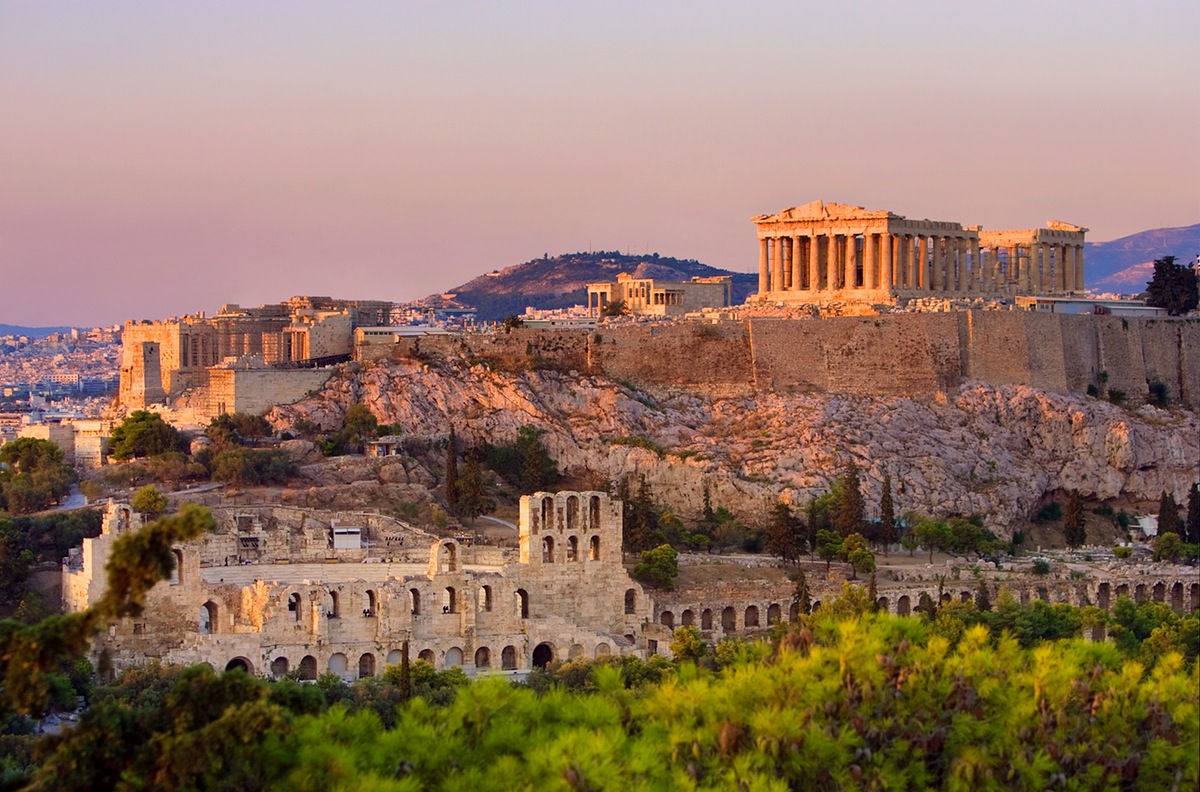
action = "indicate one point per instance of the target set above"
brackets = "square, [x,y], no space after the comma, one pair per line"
[870,260]
[776,264]
[885,258]
[762,266]
[797,264]
[1079,269]
[814,251]
[935,260]
[853,259]
[922,263]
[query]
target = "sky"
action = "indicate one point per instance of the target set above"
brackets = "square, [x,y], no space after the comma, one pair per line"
[161,158]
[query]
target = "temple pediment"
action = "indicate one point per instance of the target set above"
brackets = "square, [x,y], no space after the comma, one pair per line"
[819,210]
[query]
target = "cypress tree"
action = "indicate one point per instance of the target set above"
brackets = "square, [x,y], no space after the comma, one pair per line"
[803,597]
[887,514]
[849,517]
[405,674]
[1168,514]
[1074,529]
[451,480]
[1192,526]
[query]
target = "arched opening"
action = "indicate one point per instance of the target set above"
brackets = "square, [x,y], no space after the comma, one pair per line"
[903,606]
[208,618]
[522,600]
[485,599]
[794,612]
[337,664]
[594,512]
[1194,596]
[752,616]
[576,652]
[1139,594]
[667,619]
[508,658]
[774,613]
[548,550]
[706,619]
[414,601]
[688,618]
[1123,590]
[331,605]
[547,514]
[239,664]
[427,655]
[279,667]
[366,665]
[1160,592]
[294,606]
[572,513]
[594,548]
[728,620]
[816,605]
[394,657]
[372,608]
[454,657]
[572,548]
[1103,594]
[602,650]
[543,655]
[925,603]
[630,601]
[177,568]
[448,557]
[483,657]
[946,597]
[450,600]
[881,604]
[1024,597]
[308,668]
[964,596]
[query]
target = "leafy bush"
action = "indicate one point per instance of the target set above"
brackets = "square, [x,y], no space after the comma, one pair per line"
[641,442]
[144,434]
[658,567]
[244,466]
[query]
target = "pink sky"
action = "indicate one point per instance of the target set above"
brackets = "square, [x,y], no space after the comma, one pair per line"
[161,158]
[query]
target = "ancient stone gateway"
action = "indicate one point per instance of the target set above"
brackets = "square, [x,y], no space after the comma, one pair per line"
[821,252]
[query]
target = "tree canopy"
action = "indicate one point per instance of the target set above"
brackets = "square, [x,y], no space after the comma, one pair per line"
[33,475]
[144,434]
[1173,287]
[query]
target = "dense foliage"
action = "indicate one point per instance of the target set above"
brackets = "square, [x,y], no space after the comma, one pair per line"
[525,463]
[33,475]
[144,434]
[1173,287]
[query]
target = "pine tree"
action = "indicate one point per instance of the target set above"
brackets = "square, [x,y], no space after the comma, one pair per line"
[710,516]
[473,496]
[450,484]
[1168,514]
[850,511]
[1192,526]
[785,539]
[887,514]
[802,599]
[873,591]
[983,600]
[1074,528]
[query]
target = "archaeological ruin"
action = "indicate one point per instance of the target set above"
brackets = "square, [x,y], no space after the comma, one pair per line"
[823,252]
[650,297]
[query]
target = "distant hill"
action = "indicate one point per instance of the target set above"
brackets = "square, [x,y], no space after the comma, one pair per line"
[562,281]
[32,332]
[1125,264]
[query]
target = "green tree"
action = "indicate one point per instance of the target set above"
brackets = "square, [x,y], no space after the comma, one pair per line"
[1074,528]
[1173,287]
[33,475]
[144,434]
[149,501]
[850,511]
[1167,547]
[237,429]
[687,645]
[614,308]
[251,467]
[358,425]
[658,567]
[857,553]
[933,536]
[1168,514]
[802,597]
[829,546]
[450,482]
[473,495]
[785,534]
[910,542]
[887,515]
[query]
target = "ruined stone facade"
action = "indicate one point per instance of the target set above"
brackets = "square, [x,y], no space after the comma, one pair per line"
[272,592]
[650,297]
[825,252]
[161,360]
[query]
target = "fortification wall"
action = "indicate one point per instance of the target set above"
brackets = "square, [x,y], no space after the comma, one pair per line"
[712,357]
[256,391]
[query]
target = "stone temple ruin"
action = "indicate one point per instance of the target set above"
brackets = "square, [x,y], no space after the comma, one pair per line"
[277,590]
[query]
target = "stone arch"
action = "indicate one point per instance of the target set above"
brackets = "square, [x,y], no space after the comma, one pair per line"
[667,619]
[1139,594]
[965,596]
[572,513]
[508,658]
[454,657]
[1194,596]
[543,655]
[483,657]
[279,667]
[706,619]
[1159,592]
[332,605]
[752,616]
[774,613]
[688,618]
[925,603]
[177,567]
[209,613]
[372,608]
[576,652]
[903,605]
[366,665]
[447,556]
[1024,597]
[594,513]
[547,513]
[485,599]
[1043,594]
[630,601]
[1123,590]
[547,549]
[946,597]
[414,601]
[1103,594]
[794,612]
[427,655]
[594,548]
[294,606]
[882,604]
[573,548]
[522,603]
[728,620]
[394,657]
[816,605]
[450,600]
[602,650]
[240,663]
[308,668]
[338,664]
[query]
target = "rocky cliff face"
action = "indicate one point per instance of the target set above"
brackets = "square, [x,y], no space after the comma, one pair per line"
[983,449]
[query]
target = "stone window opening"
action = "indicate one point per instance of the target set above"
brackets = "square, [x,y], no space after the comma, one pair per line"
[572,548]
[450,601]
[728,620]
[543,655]
[630,601]
[774,613]
[485,598]
[372,608]
[279,667]
[688,618]
[208,618]
[454,658]
[331,606]
[667,619]
[337,664]
[448,557]
[522,602]
[427,655]
[239,663]
[415,601]
[508,658]
[706,619]
[547,513]
[177,568]
[483,657]
[294,606]
[308,668]
[752,616]
[594,512]
[548,550]
[572,513]
[594,549]
[366,665]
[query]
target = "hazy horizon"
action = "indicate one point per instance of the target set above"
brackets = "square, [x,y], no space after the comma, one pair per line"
[157,159]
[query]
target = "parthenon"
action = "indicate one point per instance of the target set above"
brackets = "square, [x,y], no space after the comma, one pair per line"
[819,252]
